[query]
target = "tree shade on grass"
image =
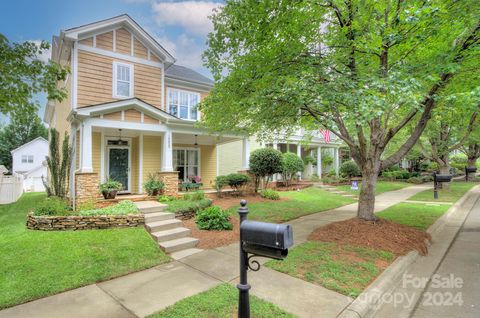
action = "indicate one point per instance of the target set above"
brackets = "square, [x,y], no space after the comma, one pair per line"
[36,264]
[417,215]
[381,187]
[299,203]
[456,190]
[218,302]
[343,268]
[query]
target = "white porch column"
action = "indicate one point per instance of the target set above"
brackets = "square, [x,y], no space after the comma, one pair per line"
[319,162]
[140,163]
[299,154]
[86,147]
[275,176]
[167,152]
[337,161]
[245,154]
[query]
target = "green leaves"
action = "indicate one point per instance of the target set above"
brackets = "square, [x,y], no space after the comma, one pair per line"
[23,74]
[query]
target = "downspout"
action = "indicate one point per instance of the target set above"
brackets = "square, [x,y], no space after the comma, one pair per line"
[73,167]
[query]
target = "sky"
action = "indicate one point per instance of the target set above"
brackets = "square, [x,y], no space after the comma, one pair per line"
[180,27]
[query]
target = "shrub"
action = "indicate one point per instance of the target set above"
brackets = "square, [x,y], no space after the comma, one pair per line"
[291,165]
[166,198]
[397,175]
[194,196]
[213,218]
[264,163]
[309,159]
[153,186]
[220,183]
[349,169]
[121,208]
[327,158]
[315,178]
[53,206]
[237,180]
[59,165]
[187,207]
[415,180]
[270,194]
[87,205]
[427,178]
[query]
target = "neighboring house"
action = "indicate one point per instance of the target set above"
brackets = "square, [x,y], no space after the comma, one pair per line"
[28,160]
[131,110]
[3,170]
[231,159]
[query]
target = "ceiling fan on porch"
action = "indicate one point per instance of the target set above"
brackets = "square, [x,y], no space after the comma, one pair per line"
[196,143]
[119,141]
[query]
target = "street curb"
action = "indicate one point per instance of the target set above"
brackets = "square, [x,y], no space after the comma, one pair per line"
[369,301]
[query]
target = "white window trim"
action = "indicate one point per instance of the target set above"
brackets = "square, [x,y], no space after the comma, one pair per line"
[27,158]
[114,80]
[199,159]
[178,90]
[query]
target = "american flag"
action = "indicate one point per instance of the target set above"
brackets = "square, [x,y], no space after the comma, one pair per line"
[326,135]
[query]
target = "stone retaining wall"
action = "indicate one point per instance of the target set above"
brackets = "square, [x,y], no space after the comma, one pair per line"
[76,222]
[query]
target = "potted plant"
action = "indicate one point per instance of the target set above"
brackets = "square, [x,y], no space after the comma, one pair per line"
[110,188]
[153,186]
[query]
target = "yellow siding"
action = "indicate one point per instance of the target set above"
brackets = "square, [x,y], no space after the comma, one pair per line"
[87,41]
[133,115]
[96,150]
[151,155]
[154,58]
[105,41]
[134,167]
[95,80]
[77,151]
[208,165]
[124,41]
[230,156]
[140,50]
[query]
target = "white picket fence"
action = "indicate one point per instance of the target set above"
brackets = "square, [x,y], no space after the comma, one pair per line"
[11,188]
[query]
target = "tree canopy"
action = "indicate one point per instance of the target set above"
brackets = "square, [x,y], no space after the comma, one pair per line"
[363,69]
[23,74]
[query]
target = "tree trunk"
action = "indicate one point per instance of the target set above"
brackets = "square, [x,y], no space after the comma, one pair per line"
[471,163]
[366,201]
[444,169]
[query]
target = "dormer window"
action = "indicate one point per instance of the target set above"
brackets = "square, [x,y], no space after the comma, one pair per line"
[122,80]
[183,104]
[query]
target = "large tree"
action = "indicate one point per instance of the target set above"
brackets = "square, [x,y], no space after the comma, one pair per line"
[363,69]
[22,128]
[23,74]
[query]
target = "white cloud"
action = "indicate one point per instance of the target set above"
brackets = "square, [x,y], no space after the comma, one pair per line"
[46,54]
[191,15]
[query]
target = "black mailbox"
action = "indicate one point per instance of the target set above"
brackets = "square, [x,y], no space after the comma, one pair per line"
[266,239]
[470,169]
[443,177]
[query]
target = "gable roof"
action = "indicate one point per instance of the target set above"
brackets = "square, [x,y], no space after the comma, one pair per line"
[123,20]
[187,74]
[29,143]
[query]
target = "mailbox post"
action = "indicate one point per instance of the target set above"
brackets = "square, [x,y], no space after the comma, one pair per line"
[258,239]
[469,170]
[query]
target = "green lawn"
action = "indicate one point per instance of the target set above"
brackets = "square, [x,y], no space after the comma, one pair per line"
[345,269]
[382,186]
[456,190]
[303,202]
[417,215]
[218,302]
[35,264]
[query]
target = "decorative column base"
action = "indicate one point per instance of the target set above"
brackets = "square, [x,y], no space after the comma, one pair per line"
[86,187]
[170,179]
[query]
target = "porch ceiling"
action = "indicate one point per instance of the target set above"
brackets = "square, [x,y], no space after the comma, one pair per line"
[202,139]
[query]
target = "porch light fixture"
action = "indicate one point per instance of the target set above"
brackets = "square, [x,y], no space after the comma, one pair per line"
[196,143]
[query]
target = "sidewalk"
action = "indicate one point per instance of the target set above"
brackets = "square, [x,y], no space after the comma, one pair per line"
[143,293]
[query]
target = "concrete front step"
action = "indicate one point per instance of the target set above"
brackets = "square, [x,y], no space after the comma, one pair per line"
[172,234]
[178,244]
[150,206]
[158,216]
[163,225]
[185,253]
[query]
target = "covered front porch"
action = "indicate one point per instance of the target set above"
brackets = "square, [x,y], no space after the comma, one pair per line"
[122,144]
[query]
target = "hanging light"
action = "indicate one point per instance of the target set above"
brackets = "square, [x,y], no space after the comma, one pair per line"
[120,136]
[196,143]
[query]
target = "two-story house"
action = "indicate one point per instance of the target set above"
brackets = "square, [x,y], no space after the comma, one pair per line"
[131,110]
[28,160]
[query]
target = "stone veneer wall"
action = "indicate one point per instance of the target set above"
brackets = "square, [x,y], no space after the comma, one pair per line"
[170,179]
[86,187]
[76,222]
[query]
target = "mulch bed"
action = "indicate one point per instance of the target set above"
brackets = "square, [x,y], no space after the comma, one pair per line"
[380,234]
[213,239]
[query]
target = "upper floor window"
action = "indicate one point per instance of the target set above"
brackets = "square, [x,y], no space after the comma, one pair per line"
[183,104]
[122,80]
[27,158]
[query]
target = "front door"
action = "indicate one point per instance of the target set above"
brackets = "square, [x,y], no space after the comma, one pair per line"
[119,167]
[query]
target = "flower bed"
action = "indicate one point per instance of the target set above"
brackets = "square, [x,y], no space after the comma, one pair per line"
[79,222]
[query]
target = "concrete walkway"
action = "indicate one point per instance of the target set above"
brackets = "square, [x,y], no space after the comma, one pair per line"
[143,293]
[463,262]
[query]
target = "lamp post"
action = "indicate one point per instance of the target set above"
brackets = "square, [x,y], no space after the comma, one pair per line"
[243,287]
